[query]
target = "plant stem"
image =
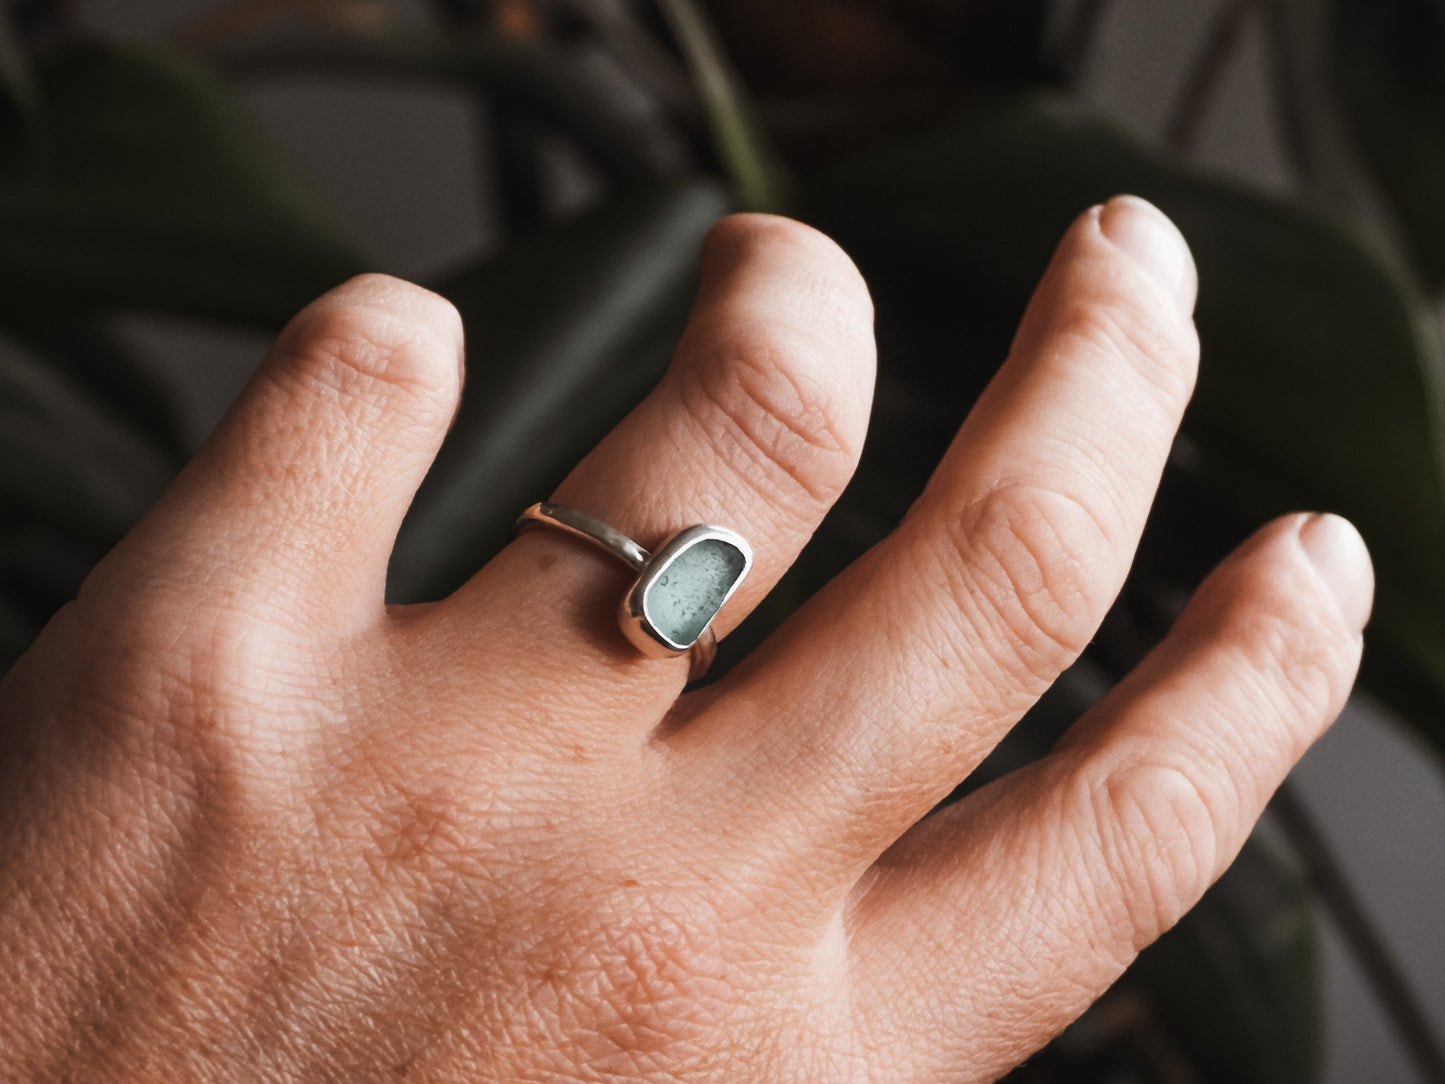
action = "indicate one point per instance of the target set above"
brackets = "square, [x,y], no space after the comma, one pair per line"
[1195,96]
[759,179]
[1363,941]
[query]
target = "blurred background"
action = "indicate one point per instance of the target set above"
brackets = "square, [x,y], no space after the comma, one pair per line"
[177,178]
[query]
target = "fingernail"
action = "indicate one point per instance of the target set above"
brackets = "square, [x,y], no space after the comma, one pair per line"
[1155,243]
[1339,554]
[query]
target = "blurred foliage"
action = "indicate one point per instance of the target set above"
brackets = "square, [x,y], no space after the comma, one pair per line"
[1388,60]
[1291,302]
[154,189]
[18,100]
[943,143]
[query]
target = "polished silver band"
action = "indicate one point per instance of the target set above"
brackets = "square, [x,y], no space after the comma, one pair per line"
[668,610]
[581,525]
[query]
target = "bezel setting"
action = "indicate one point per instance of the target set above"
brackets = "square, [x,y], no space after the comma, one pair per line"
[640,626]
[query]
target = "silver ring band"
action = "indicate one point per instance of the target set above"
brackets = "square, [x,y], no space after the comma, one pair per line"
[668,611]
[581,525]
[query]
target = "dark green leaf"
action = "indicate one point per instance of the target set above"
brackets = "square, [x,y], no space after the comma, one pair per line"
[1237,983]
[17,100]
[1389,63]
[81,349]
[17,631]
[1314,135]
[538,81]
[1320,376]
[74,476]
[41,568]
[67,460]
[157,191]
[564,335]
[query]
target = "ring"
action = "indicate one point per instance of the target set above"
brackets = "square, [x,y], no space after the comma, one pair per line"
[669,608]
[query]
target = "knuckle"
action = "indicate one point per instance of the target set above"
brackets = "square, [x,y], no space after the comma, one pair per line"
[825,286]
[1301,663]
[241,678]
[1158,843]
[1163,352]
[775,413]
[191,690]
[1036,571]
[375,337]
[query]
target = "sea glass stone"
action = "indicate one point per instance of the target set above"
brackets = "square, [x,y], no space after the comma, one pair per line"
[684,596]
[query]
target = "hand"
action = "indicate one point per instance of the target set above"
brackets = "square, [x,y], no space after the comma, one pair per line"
[258,826]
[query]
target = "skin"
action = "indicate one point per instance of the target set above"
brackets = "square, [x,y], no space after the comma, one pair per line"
[259,826]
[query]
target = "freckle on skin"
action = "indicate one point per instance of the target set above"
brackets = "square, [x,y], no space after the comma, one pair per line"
[546,561]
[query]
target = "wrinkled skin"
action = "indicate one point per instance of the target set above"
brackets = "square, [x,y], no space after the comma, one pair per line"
[259,826]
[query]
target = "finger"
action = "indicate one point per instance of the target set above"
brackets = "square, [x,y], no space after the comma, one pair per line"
[756,426]
[294,501]
[896,680]
[1067,869]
